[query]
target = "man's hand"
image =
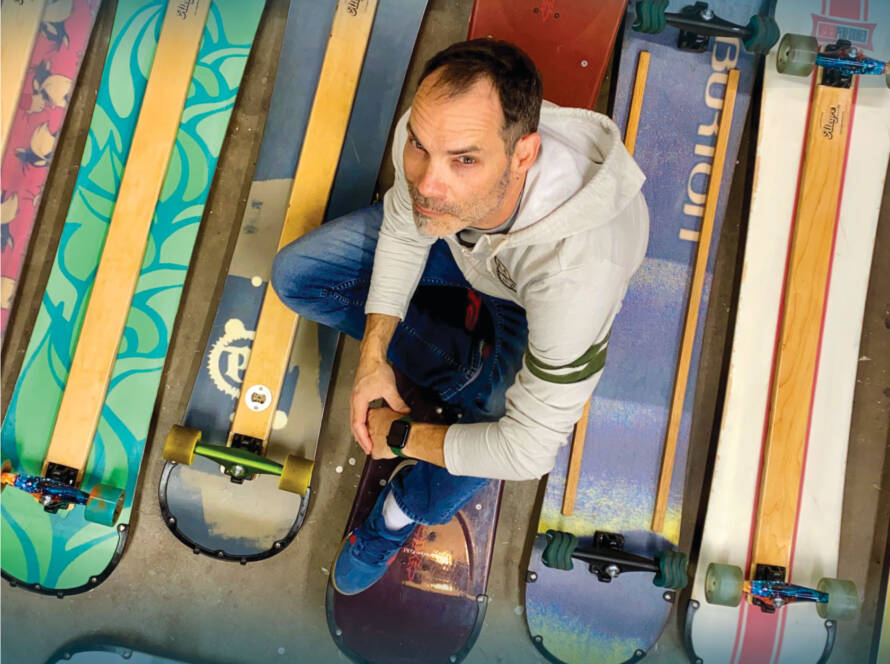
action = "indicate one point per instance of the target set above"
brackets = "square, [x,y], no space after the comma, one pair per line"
[379,421]
[374,378]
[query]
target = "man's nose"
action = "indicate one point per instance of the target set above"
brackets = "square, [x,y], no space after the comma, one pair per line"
[430,183]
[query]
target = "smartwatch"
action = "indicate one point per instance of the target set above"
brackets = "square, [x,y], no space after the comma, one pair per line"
[398,434]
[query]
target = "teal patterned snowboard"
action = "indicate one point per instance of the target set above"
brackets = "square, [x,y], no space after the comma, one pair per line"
[63,553]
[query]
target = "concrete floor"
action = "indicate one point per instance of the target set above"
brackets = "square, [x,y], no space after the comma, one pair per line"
[164,598]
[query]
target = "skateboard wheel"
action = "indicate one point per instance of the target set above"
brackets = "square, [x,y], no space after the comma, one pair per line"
[296,474]
[672,570]
[104,504]
[843,599]
[651,16]
[558,552]
[724,584]
[180,444]
[797,55]
[764,34]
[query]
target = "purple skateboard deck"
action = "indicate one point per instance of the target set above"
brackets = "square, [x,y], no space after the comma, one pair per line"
[430,604]
[572,615]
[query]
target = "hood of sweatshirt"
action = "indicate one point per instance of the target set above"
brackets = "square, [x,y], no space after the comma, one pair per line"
[583,177]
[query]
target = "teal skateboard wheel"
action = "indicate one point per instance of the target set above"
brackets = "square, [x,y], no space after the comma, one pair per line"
[104,505]
[724,584]
[843,599]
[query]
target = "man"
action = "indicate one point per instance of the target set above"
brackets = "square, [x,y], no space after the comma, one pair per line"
[537,209]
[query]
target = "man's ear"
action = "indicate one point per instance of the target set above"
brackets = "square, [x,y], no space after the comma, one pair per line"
[525,152]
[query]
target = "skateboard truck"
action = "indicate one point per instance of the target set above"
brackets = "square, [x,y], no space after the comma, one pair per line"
[698,23]
[725,585]
[58,490]
[840,61]
[607,559]
[243,460]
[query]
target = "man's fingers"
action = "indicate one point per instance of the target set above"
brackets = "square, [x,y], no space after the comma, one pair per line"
[360,424]
[395,401]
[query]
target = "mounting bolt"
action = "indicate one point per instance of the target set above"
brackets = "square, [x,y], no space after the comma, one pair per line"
[439,410]
[778,602]
[668,596]
[707,14]
[584,63]
[531,577]
[238,471]
[613,571]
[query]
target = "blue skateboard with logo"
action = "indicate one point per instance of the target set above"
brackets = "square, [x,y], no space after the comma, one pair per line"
[257,519]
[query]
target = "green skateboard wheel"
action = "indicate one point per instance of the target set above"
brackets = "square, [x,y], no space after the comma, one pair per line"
[651,16]
[764,34]
[672,570]
[843,599]
[295,474]
[558,552]
[180,444]
[724,584]
[104,505]
[797,55]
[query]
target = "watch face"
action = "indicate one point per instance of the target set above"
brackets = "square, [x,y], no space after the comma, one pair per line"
[398,434]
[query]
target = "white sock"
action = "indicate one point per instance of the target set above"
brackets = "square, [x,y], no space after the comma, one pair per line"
[393,515]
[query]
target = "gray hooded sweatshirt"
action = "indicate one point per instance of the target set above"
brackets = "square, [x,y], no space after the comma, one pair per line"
[579,234]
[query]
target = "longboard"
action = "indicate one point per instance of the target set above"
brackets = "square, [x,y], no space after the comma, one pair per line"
[18,30]
[613,602]
[37,550]
[36,123]
[198,503]
[570,41]
[391,621]
[100,650]
[745,524]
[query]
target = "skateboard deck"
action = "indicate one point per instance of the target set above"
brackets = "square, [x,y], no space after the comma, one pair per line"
[430,604]
[573,615]
[398,629]
[881,643]
[571,41]
[35,126]
[198,502]
[37,546]
[20,24]
[805,539]
[99,650]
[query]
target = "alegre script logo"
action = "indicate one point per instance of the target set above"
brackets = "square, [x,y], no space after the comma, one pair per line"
[352,6]
[831,122]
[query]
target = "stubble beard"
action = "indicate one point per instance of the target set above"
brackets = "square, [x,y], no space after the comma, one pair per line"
[463,216]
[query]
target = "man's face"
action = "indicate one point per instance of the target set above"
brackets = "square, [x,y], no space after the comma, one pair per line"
[456,162]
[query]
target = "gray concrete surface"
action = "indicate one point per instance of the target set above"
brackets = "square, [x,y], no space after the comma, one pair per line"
[164,598]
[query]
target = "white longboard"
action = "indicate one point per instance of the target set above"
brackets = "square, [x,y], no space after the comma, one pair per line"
[794,634]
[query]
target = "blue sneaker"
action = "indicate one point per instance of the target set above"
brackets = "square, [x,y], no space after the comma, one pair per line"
[367,552]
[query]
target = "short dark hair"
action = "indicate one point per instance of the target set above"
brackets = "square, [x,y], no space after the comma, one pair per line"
[511,72]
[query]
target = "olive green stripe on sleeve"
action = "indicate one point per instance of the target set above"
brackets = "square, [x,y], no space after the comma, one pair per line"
[590,363]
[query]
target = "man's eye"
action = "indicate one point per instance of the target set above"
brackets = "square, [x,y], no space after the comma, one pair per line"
[466,161]
[415,143]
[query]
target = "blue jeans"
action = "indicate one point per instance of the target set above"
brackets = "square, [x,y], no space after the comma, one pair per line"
[325,276]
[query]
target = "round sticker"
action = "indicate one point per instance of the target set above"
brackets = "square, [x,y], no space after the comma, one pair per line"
[258,398]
